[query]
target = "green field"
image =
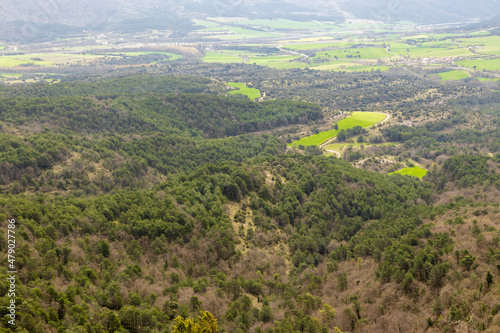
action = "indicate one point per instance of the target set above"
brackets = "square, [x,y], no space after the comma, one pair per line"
[363,119]
[252,93]
[173,56]
[211,56]
[313,46]
[480,64]
[277,61]
[436,49]
[487,79]
[250,33]
[47,59]
[357,53]
[453,75]
[414,171]
[483,45]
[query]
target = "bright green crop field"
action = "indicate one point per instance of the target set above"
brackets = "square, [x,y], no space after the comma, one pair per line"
[362,53]
[453,75]
[363,119]
[414,171]
[312,46]
[277,61]
[252,93]
[480,64]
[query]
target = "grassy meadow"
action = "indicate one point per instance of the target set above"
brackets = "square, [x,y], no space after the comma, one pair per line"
[252,93]
[211,56]
[481,64]
[453,75]
[414,171]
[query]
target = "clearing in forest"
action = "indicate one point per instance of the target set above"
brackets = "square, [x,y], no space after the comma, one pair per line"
[252,93]
[414,171]
[363,119]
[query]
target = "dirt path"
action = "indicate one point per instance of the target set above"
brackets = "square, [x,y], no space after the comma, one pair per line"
[383,121]
[335,152]
[387,116]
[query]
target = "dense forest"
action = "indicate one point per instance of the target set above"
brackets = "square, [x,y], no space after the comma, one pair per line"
[158,203]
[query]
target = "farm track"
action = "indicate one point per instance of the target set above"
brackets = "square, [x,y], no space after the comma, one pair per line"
[334,138]
[334,152]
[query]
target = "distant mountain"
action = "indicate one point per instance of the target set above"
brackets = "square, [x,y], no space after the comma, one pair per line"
[494,22]
[30,20]
[422,11]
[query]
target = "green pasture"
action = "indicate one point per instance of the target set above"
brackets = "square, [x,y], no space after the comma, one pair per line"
[414,171]
[479,33]
[241,53]
[10,74]
[173,56]
[47,59]
[480,64]
[453,75]
[252,93]
[313,46]
[440,52]
[437,49]
[486,79]
[250,33]
[484,45]
[349,66]
[363,119]
[277,61]
[211,56]
[356,53]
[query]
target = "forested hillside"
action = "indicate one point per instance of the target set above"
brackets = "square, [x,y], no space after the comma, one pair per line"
[146,207]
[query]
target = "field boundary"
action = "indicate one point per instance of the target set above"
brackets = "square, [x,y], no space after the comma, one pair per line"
[335,137]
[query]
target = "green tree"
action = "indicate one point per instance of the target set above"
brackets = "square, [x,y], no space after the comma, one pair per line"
[489,279]
[342,283]
[206,323]
[467,261]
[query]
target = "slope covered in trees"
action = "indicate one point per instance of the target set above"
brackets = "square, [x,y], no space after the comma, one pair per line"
[152,211]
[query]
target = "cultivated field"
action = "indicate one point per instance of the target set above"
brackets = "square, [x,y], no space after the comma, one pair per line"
[363,119]
[414,171]
[453,75]
[252,93]
[211,56]
[356,53]
[480,64]
[277,61]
